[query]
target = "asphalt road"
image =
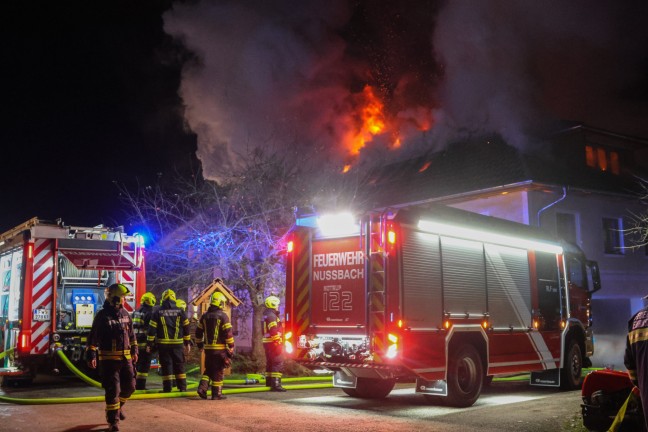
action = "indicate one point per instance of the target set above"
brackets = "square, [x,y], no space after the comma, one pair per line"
[502,407]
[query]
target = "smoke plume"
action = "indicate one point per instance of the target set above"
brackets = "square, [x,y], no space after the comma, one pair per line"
[339,81]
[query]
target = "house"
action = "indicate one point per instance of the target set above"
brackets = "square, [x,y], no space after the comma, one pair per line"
[580,184]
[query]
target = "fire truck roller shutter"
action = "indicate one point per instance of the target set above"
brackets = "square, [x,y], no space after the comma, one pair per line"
[421,280]
[464,276]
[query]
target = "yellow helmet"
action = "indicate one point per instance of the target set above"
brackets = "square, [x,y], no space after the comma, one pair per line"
[168,294]
[218,299]
[116,292]
[272,302]
[181,304]
[148,299]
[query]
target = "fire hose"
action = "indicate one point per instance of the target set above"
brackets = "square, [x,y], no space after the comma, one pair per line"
[150,394]
[4,353]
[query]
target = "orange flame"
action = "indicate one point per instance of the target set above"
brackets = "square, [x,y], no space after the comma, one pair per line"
[372,121]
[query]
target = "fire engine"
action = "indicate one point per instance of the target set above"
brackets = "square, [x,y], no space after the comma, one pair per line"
[440,296]
[52,283]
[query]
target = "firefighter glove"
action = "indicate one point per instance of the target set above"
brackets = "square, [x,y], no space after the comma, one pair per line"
[91,355]
[200,345]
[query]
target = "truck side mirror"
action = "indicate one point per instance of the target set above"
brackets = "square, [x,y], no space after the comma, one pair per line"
[594,276]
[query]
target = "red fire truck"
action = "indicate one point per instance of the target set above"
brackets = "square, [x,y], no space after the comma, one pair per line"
[442,296]
[52,282]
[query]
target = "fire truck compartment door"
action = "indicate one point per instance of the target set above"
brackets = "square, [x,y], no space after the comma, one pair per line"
[94,254]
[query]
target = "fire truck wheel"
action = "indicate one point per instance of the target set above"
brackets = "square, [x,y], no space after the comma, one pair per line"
[570,375]
[351,392]
[370,388]
[465,377]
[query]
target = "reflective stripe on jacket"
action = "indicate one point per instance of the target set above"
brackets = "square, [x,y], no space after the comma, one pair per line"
[111,335]
[169,326]
[272,328]
[215,330]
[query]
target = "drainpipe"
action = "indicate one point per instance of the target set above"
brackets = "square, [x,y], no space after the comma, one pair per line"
[551,204]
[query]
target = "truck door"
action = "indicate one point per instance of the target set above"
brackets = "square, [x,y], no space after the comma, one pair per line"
[548,283]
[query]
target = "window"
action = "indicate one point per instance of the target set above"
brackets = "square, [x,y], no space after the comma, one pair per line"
[602,159]
[613,240]
[566,227]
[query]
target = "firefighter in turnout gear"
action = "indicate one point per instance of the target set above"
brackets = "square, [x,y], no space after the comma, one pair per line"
[112,341]
[273,344]
[141,318]
[169,329]
[214,335]
[636,356]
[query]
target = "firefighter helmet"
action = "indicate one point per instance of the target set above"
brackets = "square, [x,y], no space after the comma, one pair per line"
[181,304]
[168,294]
[218,299]
[148,299]
[272,302]
[116,292]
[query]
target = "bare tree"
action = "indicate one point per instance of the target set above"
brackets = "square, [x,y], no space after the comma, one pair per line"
[233,229]
[638,230]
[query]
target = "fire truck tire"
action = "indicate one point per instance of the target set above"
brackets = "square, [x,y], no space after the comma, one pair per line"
[465,376]
[370,388]
[570,374]
[351,392]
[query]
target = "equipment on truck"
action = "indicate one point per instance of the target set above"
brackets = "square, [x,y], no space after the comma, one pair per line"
[443,296]
[53,280]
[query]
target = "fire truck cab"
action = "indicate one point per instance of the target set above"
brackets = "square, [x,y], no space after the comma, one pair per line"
[440,296]
[52,283]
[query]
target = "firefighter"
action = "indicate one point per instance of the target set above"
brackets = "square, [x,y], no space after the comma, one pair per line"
[214,335]
[141,318]
[273,343]
[636,356]
[169,328]
[182,305]
[113,341]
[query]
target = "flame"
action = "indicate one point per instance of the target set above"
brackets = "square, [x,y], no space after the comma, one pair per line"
[372,121]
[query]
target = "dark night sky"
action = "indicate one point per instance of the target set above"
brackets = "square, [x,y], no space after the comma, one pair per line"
[89,96]
[92,91]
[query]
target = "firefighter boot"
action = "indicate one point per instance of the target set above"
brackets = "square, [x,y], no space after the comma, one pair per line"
[202,388]
[217,393]
[276,385]
[166,386]
[122,416]
[112,417]
[182,384]
[140,384]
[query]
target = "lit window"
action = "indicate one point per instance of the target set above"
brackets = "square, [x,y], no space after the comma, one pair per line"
[613,232]
[614,162]
[590,156]
[602,160]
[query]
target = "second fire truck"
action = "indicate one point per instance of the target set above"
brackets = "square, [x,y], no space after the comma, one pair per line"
[440,296]
[52,282]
